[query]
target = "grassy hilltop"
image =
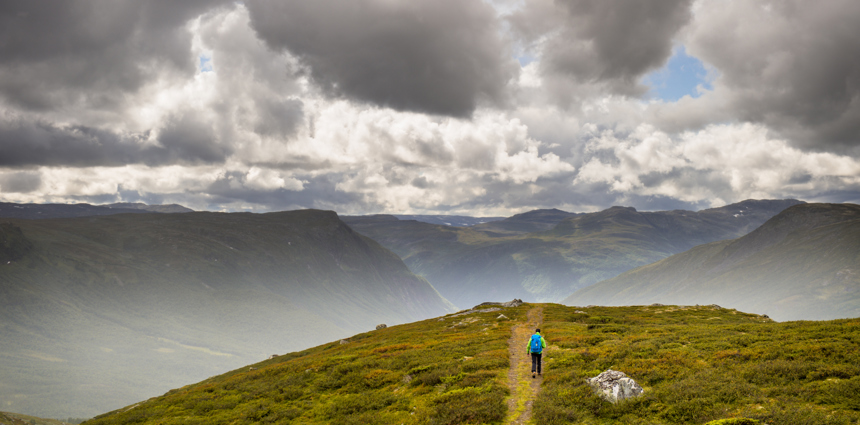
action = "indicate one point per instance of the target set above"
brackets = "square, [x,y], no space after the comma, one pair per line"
[696,364]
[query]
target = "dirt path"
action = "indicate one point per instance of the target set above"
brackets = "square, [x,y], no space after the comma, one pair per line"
[524,389]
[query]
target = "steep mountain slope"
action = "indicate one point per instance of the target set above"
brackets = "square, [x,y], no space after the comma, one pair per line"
[99,311]
[497,261]
[801,264]
[696,364]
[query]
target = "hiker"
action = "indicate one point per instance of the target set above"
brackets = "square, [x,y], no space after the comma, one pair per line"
[536,346]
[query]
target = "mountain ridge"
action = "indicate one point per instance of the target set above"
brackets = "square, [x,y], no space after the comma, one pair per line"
[45,211]
[499,261]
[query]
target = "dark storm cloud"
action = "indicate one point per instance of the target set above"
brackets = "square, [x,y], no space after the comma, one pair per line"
[88,52]
[278,118]
[793,65]
[20,182]
[610,43]
[183,141]
[187,139]
[319,192]
[436,56]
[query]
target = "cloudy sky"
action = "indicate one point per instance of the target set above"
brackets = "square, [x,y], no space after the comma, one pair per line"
[429,106]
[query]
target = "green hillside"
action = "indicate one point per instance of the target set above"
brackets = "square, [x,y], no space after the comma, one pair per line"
[696,364]
[801,264]
[546,255]
[100,311]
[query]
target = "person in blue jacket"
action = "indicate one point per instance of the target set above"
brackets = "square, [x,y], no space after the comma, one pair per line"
[536,346]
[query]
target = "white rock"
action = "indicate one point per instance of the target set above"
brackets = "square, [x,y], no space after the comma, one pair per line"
[614,386]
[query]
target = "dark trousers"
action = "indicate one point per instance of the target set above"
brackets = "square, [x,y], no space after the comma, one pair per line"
[536,362]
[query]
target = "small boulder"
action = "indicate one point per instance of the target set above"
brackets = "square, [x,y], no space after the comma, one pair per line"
[614,386]
[381,326]
[502,317]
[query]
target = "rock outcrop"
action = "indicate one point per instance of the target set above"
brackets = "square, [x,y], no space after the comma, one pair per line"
[516,302]
[614,386]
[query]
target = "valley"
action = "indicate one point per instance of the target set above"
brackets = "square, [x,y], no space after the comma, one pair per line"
[117,308]
[102,310]
[546,255]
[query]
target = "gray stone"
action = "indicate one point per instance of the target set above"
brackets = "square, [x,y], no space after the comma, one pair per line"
[614,386]
[516,302]
[382,326]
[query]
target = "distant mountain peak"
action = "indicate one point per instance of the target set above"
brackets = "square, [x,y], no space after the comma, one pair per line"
[170,208]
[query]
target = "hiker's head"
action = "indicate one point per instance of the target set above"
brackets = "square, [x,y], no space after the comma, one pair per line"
[537,330]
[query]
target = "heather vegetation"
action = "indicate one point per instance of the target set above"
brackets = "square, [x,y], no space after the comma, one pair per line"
[698,365]
[443,371]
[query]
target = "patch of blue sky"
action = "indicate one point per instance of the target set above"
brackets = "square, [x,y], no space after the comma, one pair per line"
[205,64]
[525,59]
[683,75]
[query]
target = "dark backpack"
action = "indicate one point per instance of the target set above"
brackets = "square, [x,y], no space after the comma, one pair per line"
[535,344]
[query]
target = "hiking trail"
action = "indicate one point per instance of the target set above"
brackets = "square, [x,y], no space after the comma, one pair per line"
[523,388]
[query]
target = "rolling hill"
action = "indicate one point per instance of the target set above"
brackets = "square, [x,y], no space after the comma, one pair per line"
[696,365]
[546,255]
[801,264]
[101,311]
